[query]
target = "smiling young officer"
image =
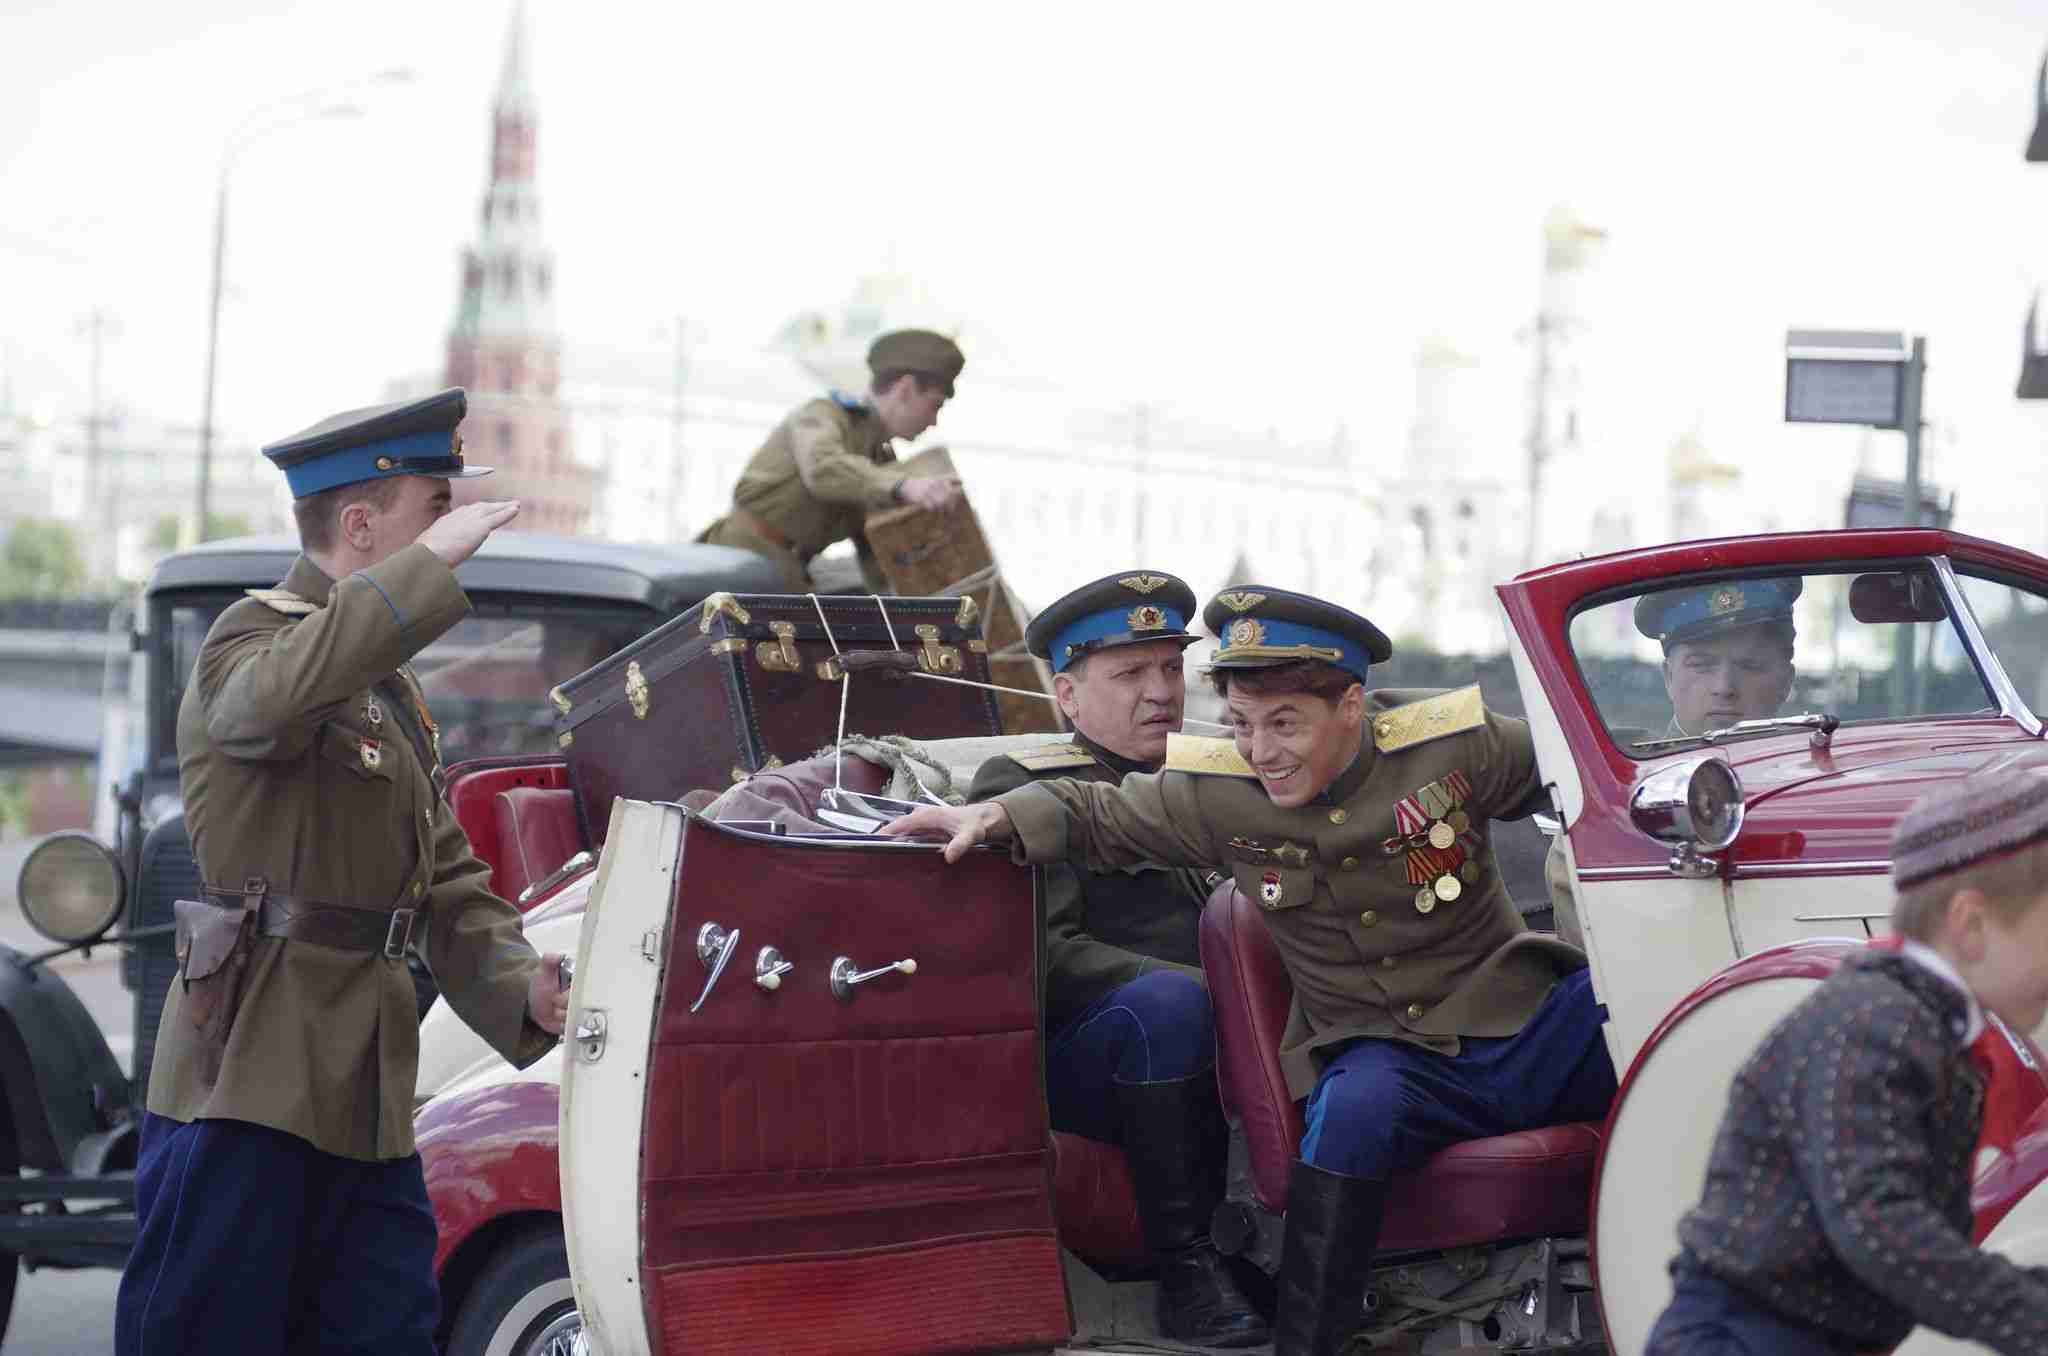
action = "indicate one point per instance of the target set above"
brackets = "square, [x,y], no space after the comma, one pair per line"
[1424,1013]
[1130,1036]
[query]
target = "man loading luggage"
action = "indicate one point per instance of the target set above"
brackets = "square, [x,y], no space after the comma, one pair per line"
[1424,1013]
[831,462]
[1130,1038]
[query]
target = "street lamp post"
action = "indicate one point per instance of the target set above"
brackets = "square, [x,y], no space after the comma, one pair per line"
[272,117]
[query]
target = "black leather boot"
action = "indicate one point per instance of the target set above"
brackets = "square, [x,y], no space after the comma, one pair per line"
[1333,1225]
[1174,1141]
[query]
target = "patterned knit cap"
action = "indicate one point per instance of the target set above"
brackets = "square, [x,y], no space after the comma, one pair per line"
[1967,821]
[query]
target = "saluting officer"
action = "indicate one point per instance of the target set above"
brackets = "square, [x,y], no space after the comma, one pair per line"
[1423,1013]
[280,1199]
[1130,1037]
[831,462]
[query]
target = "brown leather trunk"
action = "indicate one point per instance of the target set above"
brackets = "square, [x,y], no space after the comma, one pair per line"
[750,681]
[945,552]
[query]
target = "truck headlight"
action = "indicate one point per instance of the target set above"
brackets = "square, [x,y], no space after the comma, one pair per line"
[71,888]
[1697,802]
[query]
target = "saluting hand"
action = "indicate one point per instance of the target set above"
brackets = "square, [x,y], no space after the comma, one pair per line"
[963,826]
[547,1000]
[456,534]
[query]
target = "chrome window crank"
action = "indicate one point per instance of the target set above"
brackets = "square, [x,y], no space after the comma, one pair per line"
[770,967]
[846,974]
[715,946]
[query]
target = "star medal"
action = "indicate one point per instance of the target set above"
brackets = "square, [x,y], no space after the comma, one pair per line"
[1269,889]
[373,754]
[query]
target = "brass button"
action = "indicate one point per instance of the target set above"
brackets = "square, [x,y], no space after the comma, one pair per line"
[1386,962]
[1368,918]
[1350,863]
[1337,816]
[1415,1012]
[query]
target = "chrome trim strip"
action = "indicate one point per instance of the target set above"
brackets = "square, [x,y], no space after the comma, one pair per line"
[1812,868]
[1987,659]
[1837,917]
[1645,872]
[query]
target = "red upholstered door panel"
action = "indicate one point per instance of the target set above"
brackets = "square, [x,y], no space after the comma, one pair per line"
[860,1175]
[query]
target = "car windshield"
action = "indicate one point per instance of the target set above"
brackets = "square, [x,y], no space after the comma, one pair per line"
[486,680]
[1668,665]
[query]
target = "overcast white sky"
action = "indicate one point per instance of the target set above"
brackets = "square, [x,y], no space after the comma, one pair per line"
[1252,211]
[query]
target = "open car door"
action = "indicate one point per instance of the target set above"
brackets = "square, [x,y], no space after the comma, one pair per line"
[789,1141]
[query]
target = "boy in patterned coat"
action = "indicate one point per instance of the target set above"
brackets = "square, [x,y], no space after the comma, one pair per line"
[1836,1213]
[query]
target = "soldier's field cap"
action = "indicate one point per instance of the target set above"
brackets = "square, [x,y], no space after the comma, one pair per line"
[926,352]
[1967,822]
[1126,608]
[1675,616]
[405,438]
[1261,627]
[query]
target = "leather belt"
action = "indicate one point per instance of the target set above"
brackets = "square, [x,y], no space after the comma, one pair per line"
[348,927]
[761,528]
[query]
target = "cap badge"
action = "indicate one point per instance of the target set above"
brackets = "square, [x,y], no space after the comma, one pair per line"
[1725,600]
[385,463]
[1245,632]
[1146,618]
[1269,889]
[1144,583]
[1240,601]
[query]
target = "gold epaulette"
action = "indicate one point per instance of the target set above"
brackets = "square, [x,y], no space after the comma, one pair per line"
[283,600]
[1200,754]
[1051,757]
[1447,713]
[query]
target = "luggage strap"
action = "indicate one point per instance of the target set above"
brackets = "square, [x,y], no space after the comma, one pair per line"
[348,927]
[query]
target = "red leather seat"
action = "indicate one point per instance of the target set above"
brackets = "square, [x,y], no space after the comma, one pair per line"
[537,832]
[1093,1201]
[1524,1185]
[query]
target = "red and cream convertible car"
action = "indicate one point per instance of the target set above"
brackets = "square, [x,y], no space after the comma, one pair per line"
[803,1111]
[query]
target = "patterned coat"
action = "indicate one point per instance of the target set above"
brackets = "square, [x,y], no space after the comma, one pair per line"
[1838,1193]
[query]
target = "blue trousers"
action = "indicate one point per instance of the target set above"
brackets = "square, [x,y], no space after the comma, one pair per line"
[1381,1107]
[1156,1028]
[1709,1317]
[252,1240]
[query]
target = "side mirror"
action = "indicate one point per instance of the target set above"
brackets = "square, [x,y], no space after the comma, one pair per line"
[1896,596]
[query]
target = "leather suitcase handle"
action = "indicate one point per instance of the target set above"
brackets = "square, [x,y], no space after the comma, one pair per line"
[858,661]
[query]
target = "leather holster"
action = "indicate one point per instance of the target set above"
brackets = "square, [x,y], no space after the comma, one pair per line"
[215,942]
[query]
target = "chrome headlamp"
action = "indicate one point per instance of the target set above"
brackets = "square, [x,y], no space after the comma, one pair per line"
[1695,805]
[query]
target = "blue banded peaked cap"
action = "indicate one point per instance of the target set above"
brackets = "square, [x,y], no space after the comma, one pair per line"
[1125,608]
[404,438]
[1261,627]
[1675,616]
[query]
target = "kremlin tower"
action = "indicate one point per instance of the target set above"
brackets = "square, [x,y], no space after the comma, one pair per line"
[503,347]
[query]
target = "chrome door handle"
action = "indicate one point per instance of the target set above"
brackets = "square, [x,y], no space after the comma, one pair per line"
[576,865]
[846,974]
[715,946]
[770,967]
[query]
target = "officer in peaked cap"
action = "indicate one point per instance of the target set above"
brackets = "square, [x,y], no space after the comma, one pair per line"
[832,461]
[1356,822]
[1130,1035]
[1727,649]
[278,1193]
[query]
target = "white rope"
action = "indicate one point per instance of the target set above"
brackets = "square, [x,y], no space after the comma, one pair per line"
[1042,696]
[845,685]
[893,643]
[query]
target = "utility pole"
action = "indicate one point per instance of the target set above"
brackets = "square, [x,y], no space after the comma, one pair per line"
[97,326]
[1538,441]
[681,379]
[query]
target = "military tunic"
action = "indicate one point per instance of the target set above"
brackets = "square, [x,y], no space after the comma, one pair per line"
[305,759]
[1102,929]
[816,479]
[1350,901]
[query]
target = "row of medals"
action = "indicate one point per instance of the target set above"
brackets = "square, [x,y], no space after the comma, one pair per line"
[1448,886]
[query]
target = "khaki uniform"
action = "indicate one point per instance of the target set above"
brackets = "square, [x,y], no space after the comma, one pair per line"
[815,480]
[1102,929]
[1345,906]
[304,761]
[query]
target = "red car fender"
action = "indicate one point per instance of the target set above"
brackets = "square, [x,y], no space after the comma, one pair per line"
[487,1153]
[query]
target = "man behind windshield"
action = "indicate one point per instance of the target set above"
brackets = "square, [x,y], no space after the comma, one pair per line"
[1727,650]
